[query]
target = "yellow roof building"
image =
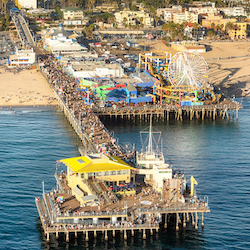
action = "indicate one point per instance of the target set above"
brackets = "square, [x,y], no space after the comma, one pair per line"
[89,176]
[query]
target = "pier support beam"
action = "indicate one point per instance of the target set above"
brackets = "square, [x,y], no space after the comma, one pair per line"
[113,233]
[166,221]
[87,236]
[67,237]
[193,224]
[196,220]
[57,235]
[188,218]
[177,221]
[132,232]
[202,219]
[106,235]
[76,234]
[184,220]
[151,231]
[144,234]
[47,237]
[125,235]
[95,234]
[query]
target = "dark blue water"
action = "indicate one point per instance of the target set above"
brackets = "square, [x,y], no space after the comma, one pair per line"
[217,153]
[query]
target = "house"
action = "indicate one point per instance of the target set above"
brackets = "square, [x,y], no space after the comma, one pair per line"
[92,172]
[134,17]
[72,13]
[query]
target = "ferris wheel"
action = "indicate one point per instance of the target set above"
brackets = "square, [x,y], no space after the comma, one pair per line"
[188,69]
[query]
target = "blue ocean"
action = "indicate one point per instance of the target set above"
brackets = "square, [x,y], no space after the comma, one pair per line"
[216,153]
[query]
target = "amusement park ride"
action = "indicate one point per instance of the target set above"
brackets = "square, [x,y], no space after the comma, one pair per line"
[182,77]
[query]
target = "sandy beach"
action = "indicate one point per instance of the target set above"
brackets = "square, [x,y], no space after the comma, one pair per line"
[27,88]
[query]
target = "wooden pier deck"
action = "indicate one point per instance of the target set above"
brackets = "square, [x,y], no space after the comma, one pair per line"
[166,112]
[127,215]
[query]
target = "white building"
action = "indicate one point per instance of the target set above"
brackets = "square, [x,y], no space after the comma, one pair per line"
[88,69]
[133,17]
[236,11]
[72,13]
[204,10]
[27,4]
[22,58]
[58,42]
[190,17]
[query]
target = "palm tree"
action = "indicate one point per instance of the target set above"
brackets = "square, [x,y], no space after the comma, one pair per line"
[229,26]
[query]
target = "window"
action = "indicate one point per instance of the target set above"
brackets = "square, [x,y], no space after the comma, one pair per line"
[119,172]
[106,173]
[113,173]
[125,172]
[90,174]
[80,161]
[99,174]
[82,176]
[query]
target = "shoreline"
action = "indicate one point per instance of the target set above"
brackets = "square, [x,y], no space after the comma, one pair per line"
[26,88]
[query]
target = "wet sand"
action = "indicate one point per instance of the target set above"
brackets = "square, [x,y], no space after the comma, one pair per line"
[27,88]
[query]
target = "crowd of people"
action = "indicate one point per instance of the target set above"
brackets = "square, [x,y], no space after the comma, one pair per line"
[74,98]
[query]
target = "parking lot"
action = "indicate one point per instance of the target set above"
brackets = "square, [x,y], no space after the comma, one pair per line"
[7,46]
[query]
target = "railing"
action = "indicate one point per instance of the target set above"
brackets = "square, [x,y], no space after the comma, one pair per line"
[90,188]
[84,133]
[176,208]
[103,182]
[107,227]
[46,204]
[92,214]
[59,184]
[52,208]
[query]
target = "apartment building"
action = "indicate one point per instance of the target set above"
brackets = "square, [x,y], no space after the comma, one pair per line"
[132,17]
[187,16]
[72,13]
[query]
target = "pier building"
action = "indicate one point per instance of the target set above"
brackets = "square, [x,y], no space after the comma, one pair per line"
[83,173]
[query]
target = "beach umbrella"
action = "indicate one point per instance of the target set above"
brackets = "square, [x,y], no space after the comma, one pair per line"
[59,198]
[110,188]
[121,185]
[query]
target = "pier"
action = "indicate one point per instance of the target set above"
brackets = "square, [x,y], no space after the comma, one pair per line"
[126,217]
[168,112]
[142,210]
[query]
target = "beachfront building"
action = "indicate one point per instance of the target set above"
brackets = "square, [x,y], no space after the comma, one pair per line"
[22,58]
[133,17]
[72,13]
[89,175]
[26,4]
[240,31]
[58,42]
[93,68]
[187,16]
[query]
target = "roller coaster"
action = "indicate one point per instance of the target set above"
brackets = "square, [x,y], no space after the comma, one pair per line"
[182,77]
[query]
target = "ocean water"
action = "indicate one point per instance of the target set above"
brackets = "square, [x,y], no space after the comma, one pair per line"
[216,153]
